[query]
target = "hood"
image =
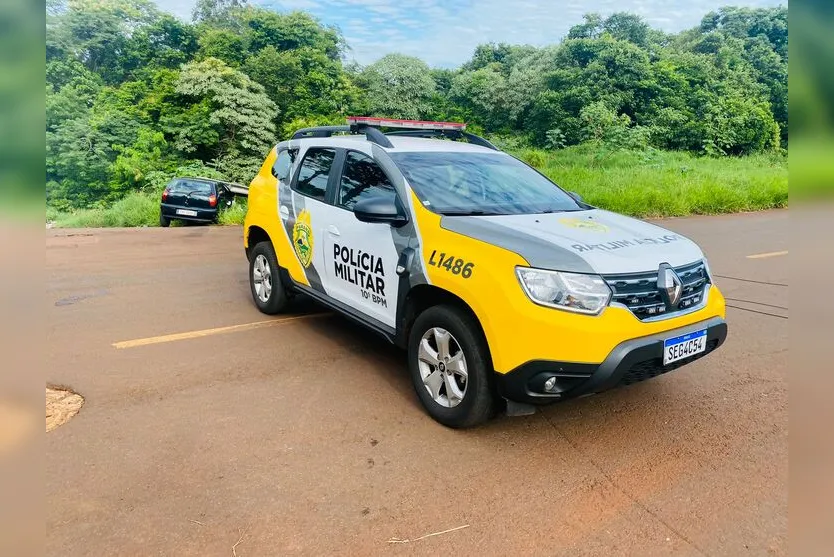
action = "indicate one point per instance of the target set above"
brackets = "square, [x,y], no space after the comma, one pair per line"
[594,241]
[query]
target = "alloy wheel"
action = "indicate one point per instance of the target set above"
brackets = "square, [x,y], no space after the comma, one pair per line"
[443,367]
[262,278]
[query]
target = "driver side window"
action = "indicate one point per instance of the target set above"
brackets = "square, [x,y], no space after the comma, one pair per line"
[362,178]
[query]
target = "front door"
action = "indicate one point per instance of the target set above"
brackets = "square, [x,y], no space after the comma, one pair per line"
[361,258]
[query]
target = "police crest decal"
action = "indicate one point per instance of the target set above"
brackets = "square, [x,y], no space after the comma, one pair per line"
[302,238]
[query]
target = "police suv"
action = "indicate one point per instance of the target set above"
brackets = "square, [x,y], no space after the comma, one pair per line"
[505,290]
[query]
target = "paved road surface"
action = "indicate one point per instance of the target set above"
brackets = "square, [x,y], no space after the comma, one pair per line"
[306,437]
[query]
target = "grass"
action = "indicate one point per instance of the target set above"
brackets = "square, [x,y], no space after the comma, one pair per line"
[235,214]
[136,209]
[639,183]
[664,184]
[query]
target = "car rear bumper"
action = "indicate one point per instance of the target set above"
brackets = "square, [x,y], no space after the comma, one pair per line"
[203,215]
[630,362]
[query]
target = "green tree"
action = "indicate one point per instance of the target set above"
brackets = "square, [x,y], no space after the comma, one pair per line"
[483,94]
[96,33]
[399,86]
[628,27]
[239,110]
[214,11]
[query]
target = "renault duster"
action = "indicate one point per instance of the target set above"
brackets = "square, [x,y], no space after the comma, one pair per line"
[503,288]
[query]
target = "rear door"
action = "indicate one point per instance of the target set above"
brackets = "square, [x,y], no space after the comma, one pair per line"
[360,258]
[305,216]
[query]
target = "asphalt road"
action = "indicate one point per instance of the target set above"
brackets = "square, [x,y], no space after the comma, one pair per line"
[305,436]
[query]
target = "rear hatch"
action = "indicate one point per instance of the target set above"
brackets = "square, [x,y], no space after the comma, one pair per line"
[191,194]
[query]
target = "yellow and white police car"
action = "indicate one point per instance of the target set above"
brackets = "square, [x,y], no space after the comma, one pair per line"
[504,289]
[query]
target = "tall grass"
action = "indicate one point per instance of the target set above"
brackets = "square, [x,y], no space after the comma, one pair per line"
[136,209]
[235,214]
[661,183]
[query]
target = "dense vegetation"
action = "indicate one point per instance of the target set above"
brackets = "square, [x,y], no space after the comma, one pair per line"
[134,96]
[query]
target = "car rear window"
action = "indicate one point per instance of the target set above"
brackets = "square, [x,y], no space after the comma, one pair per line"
[191,186]
[314,173]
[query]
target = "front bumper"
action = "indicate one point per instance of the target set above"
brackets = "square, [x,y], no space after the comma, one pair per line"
[629,362]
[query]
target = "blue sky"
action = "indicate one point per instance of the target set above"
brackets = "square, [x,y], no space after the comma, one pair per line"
[445,32]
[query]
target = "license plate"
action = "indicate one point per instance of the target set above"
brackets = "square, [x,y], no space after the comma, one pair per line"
[186,212]
[684,346]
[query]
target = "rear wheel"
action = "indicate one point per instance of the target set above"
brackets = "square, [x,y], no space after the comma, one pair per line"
[450,367]
[268,291]
[164,221]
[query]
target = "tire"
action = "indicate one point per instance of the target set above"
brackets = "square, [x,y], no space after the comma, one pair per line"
[164,221]
[479,401]
[268,293]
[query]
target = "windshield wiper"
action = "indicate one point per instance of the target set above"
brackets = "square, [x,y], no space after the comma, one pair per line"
[560,211]
[468,213]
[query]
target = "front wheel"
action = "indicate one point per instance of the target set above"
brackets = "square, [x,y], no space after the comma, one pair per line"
[265,281]
[451,368]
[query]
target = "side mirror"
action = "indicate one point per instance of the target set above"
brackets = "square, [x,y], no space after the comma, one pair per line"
[380,209]
[576,197]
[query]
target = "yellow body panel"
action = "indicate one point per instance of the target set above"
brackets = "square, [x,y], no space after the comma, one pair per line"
[516,329]
[263,212]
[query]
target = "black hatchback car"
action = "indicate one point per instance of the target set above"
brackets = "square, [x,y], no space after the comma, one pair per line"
[194,199]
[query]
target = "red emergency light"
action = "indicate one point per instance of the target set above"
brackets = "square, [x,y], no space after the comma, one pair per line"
[412,124]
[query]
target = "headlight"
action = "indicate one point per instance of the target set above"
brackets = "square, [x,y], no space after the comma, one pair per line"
[569,291]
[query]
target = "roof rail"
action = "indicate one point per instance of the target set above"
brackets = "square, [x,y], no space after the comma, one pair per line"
[411,128]
[454,135]
[320,131]
[373,134]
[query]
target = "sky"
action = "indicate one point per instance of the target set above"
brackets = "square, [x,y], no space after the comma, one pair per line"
[444,33]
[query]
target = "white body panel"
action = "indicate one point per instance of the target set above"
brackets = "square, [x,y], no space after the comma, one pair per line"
[359,262]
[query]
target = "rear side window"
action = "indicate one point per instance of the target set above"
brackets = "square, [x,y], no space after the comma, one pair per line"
[191,186]
[314,172]
[283,164]
[362,178]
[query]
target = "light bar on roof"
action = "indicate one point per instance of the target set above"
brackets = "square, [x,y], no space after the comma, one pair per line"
[411,124]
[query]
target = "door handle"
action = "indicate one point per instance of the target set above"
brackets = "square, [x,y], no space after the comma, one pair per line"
[285,213]
[333,230]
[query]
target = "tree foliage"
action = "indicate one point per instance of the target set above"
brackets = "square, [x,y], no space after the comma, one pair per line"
[399,86]
[134,95]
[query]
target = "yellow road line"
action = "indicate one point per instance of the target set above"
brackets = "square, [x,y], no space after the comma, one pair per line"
[769,254]
[209,332]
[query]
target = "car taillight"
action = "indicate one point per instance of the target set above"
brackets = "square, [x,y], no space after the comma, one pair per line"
[212,200]
[164,195]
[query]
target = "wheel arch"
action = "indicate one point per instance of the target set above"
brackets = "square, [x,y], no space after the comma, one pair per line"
[255,235]
[421,297]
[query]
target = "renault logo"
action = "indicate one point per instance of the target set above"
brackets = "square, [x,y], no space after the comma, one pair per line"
[669,285]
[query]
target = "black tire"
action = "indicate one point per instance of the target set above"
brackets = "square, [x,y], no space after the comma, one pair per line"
[479,402]
[276,300]
[164,221]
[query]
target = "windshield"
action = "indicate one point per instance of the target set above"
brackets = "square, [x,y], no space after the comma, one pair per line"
[480,184]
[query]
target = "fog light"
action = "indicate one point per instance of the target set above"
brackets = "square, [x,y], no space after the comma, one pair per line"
[550,384]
